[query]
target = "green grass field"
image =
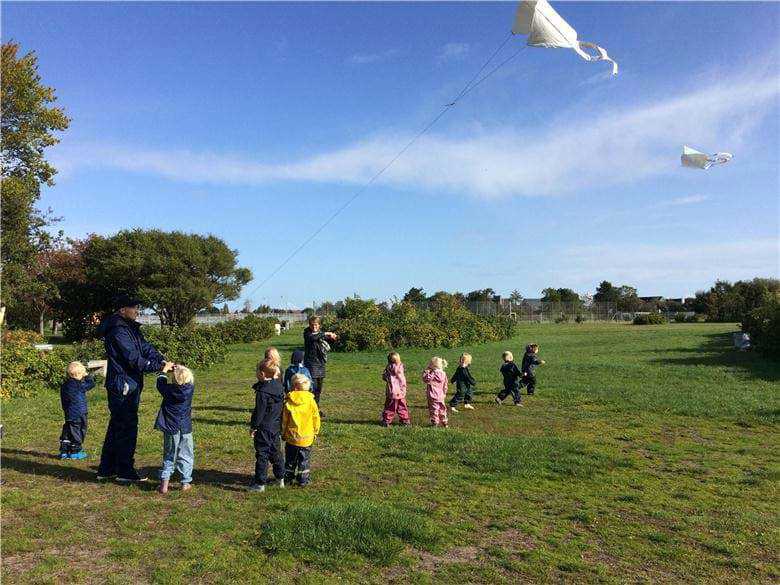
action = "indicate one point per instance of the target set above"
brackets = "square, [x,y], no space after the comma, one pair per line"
[649,454]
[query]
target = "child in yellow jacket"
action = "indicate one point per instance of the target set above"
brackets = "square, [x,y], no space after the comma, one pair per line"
[300,425]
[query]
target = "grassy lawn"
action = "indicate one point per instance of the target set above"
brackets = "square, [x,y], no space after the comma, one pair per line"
[649,454]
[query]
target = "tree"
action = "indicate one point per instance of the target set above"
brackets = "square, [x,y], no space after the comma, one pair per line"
[627,299]
[263,309]
[516,297]
[174,273]
[606,293]
[415,295]
[247,306]
[485,294]
[27,128]
[225,309]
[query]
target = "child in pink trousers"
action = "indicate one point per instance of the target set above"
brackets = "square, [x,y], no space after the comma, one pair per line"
[395,400]
[436,389]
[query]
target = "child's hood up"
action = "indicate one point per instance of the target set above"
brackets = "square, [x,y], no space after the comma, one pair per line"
[299,397]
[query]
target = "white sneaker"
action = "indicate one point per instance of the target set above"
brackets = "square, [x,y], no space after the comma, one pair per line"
[453,409]
[280,483]
[468,407]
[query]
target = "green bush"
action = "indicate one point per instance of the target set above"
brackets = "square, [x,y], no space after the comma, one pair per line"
[680,318]
[250,328]
[650,319]
[763,326]
[364,325]
[27,371]
[195,347]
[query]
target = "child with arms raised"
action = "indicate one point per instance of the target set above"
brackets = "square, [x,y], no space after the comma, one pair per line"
[435,380]
[395,399]
[73,397]
[174,419]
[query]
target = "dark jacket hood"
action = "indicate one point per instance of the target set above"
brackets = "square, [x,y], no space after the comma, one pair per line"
[113,320]
[297,357]
[271,387]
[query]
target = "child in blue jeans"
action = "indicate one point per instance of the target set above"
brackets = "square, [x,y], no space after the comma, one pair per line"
[174,419]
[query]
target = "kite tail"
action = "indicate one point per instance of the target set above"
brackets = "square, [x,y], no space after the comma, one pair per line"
[601,55]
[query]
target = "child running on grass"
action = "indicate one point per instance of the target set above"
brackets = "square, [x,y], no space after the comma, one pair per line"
[435,381]
[266,424]
[296,367]
[512,376]
[174,419]
[395,399]
[73,397]
[530,361]
[300,426]
[464,384]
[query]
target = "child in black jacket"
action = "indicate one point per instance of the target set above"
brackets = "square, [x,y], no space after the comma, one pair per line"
[530,361]
[464,384]
[266,425]
[512,376]
[73,397]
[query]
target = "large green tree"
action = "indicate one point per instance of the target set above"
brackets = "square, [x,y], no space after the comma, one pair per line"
[28,123]
[176,274]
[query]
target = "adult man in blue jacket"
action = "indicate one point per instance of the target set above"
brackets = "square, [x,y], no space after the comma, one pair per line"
[129,357]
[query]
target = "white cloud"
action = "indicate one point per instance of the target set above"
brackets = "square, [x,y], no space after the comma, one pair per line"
[689,200]
[365,58]
[578,150]
[453,51]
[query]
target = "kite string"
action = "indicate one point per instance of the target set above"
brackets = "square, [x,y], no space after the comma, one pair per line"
[492,71]
[466,90]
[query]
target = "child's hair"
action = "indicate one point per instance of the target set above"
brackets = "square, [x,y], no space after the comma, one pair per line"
[314,319]
[393,356]
[273,354]
[183,375]
[466,357]
[300,382]
[76,370]
[508,357]
[438,363]
[267,368]
[532,347]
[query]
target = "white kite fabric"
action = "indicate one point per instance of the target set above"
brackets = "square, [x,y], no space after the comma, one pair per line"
[699,160]
[546,28]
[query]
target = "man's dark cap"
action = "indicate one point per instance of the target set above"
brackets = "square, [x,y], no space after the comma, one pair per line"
[126,300]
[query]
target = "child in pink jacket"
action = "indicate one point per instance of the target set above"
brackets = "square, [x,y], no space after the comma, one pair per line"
[395,401]
[436,388]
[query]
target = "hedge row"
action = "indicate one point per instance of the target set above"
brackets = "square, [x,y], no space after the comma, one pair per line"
[365,325]
[763,326]
[27,371]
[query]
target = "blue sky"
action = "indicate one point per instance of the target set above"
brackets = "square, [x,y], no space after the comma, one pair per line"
[256,121]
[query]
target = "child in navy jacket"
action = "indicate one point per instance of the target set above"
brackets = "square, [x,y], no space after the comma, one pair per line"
[73,397]
[174,419]
[296,367]
[530,361]
[512,376]
[266,425]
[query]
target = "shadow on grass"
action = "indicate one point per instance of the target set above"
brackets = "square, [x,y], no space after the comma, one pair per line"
[219,422]
[222,408]
[718,350]
[31,453]
[66,472]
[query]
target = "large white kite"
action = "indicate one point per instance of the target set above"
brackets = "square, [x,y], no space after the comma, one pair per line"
[699,160]
[546,28]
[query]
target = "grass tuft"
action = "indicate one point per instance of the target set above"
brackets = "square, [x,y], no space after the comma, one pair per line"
[334,533]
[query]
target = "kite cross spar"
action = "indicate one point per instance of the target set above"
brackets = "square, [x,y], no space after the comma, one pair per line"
[545,28]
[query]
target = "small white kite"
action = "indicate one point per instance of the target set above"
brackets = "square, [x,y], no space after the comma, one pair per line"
[546,28]
[698,160]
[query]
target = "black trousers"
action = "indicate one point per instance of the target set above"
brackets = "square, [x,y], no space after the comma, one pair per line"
[297,466]
[118,454]
[268,449]
[318,384]
[529,381]
[462,394]
[73,434]
[514,390]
